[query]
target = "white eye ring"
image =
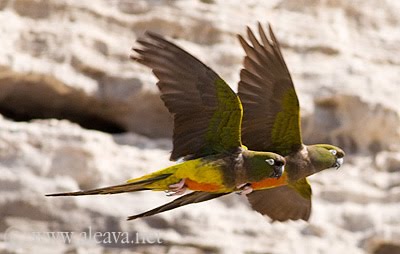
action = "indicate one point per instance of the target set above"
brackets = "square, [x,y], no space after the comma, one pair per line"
[333,152]
[270,161]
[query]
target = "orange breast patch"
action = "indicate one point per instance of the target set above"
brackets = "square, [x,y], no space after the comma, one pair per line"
[269,183]
[208,187]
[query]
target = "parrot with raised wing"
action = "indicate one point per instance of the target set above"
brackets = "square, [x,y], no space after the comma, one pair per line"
[207,129]
[271,122]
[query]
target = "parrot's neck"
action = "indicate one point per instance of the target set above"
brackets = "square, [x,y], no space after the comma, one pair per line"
[305,162]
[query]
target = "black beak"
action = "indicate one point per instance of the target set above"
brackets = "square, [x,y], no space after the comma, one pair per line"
[278,170]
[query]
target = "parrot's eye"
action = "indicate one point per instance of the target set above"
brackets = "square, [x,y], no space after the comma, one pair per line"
[270,161]
[333,152]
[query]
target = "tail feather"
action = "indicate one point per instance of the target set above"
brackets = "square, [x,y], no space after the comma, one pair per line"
[127,187]
[191,198]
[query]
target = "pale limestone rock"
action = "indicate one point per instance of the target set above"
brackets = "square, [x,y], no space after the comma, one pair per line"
[353,124]
[69,59]
[388,161]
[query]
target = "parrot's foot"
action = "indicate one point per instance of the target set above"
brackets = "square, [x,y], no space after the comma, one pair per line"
[177,188]
[244,189]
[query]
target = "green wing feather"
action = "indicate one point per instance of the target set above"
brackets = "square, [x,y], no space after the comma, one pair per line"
[271,120]
[223,132]
[207,113]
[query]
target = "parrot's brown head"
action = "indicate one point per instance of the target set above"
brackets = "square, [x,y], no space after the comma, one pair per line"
[323,156]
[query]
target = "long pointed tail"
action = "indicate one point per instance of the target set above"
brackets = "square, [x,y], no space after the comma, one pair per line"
[191,198]
[127,187]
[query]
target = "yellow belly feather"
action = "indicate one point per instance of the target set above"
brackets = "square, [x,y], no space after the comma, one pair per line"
[203,175]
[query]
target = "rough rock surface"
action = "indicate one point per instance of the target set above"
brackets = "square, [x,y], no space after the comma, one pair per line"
[69,94]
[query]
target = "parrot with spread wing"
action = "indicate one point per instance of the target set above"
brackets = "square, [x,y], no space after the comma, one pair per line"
[207,121]
[271,122]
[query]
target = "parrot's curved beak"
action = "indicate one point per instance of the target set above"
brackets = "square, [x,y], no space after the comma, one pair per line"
[338,163]
[282,169]
[278,171]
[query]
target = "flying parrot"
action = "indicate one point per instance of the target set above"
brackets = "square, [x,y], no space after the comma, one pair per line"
[271,122]
[207,129]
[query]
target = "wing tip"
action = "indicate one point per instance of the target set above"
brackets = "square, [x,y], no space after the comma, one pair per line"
[153,35]
[243,43]
[250,33]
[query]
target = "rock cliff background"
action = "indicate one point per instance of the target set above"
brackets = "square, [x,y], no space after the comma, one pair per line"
[76,113]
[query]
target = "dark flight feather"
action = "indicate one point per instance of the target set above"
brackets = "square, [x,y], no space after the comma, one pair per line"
[200,101]
[281,203]
[270,105]
[271,120]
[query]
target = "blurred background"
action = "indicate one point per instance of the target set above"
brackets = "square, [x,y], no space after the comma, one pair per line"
[76,113]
